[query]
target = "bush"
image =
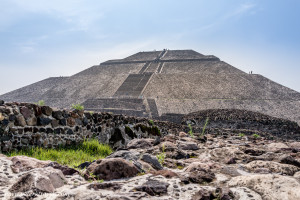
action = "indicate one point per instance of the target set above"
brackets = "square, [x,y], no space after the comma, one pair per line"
[40,103]
[78,106]
[256,136]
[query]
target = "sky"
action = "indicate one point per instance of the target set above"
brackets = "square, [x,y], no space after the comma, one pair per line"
[42,38]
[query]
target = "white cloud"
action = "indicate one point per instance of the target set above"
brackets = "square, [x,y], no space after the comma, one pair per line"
[78,13]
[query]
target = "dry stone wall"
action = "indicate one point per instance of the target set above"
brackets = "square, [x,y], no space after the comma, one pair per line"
[24,125]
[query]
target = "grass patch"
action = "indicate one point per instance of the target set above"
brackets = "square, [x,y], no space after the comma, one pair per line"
[191,131]
[72,156]
[241,134]
[204,127]
[161,157]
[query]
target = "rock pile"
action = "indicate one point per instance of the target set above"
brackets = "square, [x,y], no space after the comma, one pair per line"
[176,167]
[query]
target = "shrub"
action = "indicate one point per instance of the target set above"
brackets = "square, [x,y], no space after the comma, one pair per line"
[40,103]
[78,106]
[256,136]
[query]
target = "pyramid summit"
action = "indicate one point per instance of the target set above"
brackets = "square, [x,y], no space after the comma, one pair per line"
[164,85]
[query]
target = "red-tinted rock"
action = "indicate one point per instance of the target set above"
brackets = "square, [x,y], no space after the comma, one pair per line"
[113,168]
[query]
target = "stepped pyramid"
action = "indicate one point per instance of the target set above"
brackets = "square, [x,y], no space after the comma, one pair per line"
[164,85]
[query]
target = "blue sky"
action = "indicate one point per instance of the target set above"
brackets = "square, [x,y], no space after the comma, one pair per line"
[42,38]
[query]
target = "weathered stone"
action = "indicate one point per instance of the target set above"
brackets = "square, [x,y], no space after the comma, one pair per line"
[55,123]
[31,121]
[200,176]
[71,121]
[4,180]
[64,169]
[104,186]
[243,193]
[153,187]
[140,144]
[112,168]
[295,145]
[276,146]
[63,122]
[231,161]
[26,112]
[23,163]
[195,166]
[273,167]
[167,146]
[203,194]
[1,102]
[290,160]
[46,110]
[42,121]
[183,134]
[1,116]
[57,114]
[39,180]
[24,184]
[254,152]
[20,121]
[152,160]
[225,193]
[165,173]
[187,145]
[84,165]
[270,187]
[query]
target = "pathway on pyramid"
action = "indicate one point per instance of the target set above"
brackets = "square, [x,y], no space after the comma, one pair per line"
[164,85]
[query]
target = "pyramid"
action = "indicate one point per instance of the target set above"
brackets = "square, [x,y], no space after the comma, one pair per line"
[164,85]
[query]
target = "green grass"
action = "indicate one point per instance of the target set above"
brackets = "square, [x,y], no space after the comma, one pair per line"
[71,156]
[161,157]
[40,103]
[191,130]
[151,122]
[205,124]
[241,134]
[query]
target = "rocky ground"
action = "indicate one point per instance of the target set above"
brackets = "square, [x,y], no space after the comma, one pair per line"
[212,167]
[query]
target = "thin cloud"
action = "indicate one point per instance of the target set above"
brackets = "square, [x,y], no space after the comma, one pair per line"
[237,13]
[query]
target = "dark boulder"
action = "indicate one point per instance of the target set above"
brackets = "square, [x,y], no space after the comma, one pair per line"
[153,187]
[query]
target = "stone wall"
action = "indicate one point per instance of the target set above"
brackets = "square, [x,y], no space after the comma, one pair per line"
[243,121]
[24,125]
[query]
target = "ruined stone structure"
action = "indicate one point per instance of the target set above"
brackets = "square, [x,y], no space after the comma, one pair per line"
[24,125]
[164,85]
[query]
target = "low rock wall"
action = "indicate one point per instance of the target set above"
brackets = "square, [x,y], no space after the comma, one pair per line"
[24,125]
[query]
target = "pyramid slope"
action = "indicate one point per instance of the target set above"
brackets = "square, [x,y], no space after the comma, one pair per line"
[199,67]
[221,86]
[168,81]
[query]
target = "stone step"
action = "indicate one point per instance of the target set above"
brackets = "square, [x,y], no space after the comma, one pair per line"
[153,108]
[133,85]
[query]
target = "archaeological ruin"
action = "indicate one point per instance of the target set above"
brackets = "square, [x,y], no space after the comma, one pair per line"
[164,85]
